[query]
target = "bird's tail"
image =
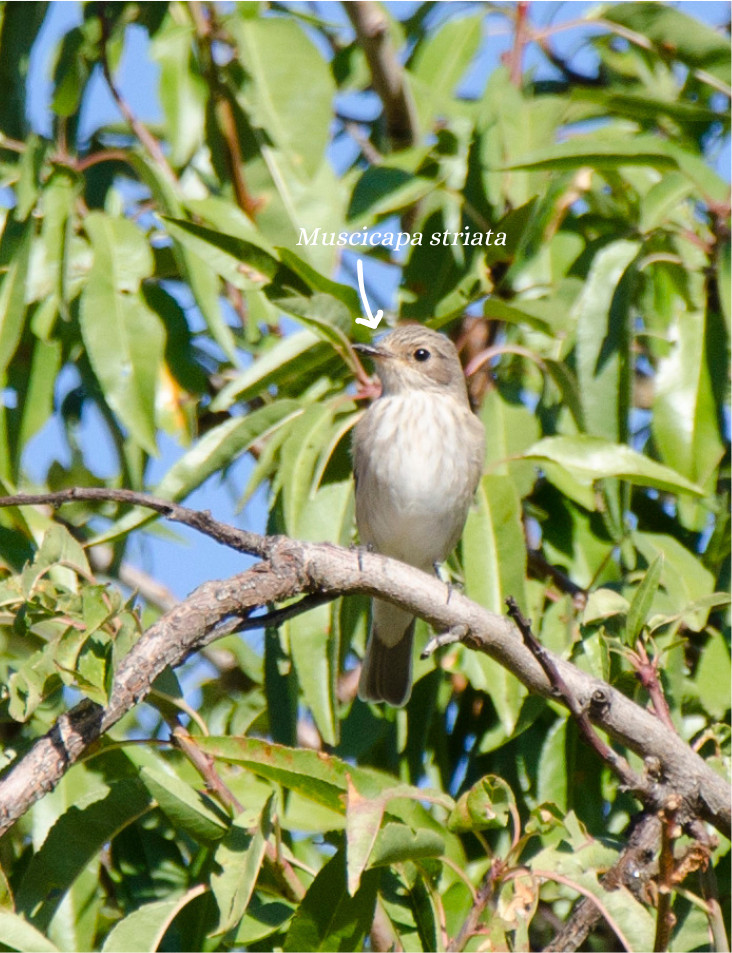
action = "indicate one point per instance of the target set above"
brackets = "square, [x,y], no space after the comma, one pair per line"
[386,674]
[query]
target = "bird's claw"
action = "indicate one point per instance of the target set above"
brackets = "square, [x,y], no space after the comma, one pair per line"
[360,550]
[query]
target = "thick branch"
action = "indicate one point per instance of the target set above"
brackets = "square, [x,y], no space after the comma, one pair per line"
[290,568]
[387,75]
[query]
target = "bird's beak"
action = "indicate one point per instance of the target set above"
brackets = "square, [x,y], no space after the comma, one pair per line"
[372,350]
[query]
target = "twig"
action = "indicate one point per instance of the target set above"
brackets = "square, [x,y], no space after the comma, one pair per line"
[541,566]
[486,895]
[573,885]
[709,889]
[670,831]
[646,671]
[571,75]
[205,27]
[387,75]
[274,619]
[369,150]
[238,539]
[206,767]
[520,36]
[140,130]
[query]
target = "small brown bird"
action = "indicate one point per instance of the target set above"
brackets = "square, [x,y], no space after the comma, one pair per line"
[417,459]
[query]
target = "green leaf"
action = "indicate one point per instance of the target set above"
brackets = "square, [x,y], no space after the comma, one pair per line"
[553,775]
[182,89]
[296,114]
[20,26]
[497,310]
[203,281]
[222,445]
[239,858]
[38,399]
[299,457]
[604,603]
[328,515]
[684,422]
[124,338]
[318,282]
[383,190]
[591,458]
[509,429]
[494,562]
[72,70]
[486,805]
[676,34]
[245,264]
[684,580]
[712,676]
[286,362]
[603,341]
[609,153]
[262,919]
[662,200]
[142,931]
[58,548]
[328,917]
[15,248]
[76,837]
[20,935]
[643,597]
[323,778]
[398,843]
[724,282]
[440,63]
[363,820]
[187,809]
[328,316]
[493,547]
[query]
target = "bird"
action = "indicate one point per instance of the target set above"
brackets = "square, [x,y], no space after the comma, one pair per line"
[417,458]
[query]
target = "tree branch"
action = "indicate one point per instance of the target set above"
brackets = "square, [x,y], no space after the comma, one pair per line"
[387,75]
[289,568]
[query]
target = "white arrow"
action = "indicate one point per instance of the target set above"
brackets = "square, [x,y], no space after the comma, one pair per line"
[372,321]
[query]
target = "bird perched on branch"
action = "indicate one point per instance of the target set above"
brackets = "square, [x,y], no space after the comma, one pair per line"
[417,459]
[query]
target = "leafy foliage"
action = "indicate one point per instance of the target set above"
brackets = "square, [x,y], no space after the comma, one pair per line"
[159,278]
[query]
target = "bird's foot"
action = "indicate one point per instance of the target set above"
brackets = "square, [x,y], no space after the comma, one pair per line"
[360,550]
[448,582]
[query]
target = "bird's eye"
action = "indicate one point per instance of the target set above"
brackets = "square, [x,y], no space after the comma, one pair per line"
[421,354]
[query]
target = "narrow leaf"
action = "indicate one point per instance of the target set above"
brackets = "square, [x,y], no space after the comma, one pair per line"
[591,458]
[640,605]
[123,337]
[239,857]
[186,808]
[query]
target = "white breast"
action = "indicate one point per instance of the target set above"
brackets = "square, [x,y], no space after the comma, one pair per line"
[417,473]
